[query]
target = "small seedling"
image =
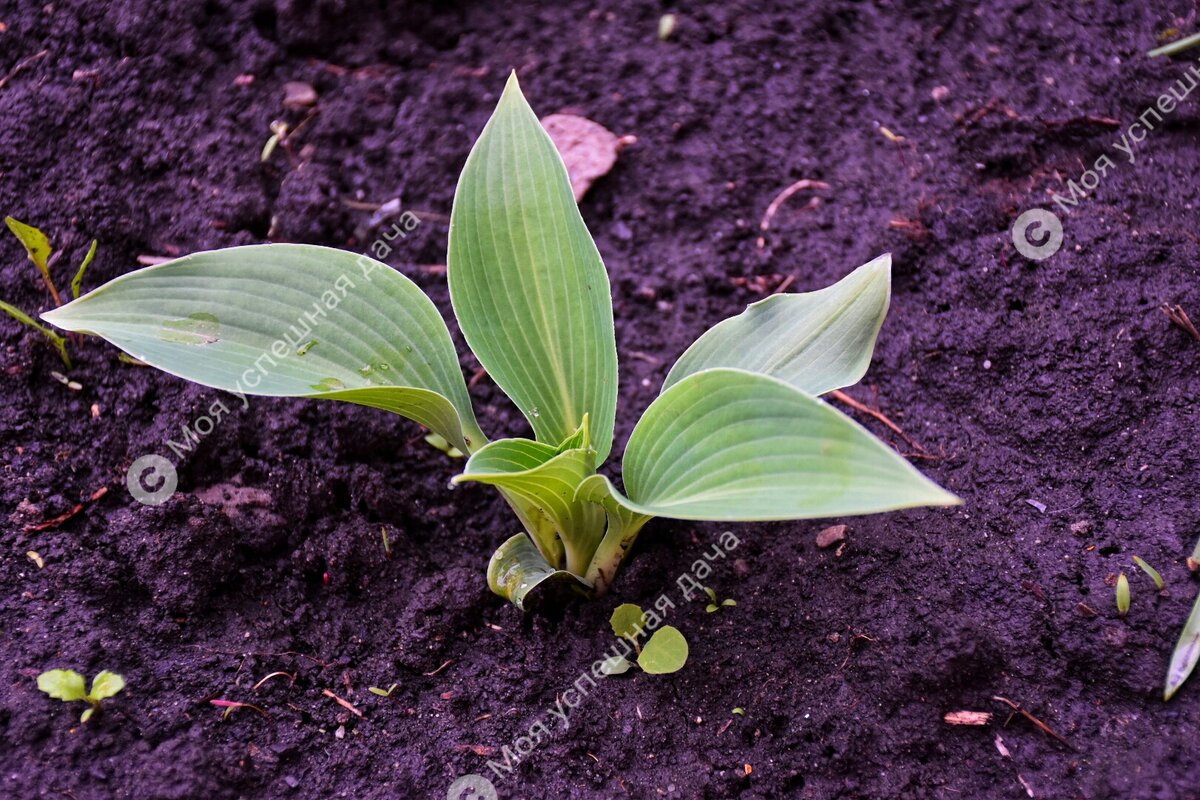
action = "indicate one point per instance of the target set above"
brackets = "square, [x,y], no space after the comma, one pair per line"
[665,652]
[383,692]
[1152,572]
[738,433]
[1122,595]
[37,248]
[715,604]
[387,545]
[68,685]
[741,712]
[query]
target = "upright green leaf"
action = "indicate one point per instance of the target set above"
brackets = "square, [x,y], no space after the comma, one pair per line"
[105,685]
[725,444]
[818,341]
[77,281]
[527,282]
[288,320]
[37,246]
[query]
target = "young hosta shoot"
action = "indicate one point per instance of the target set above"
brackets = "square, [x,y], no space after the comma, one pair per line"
[738,432]
[68,685]
[665,652]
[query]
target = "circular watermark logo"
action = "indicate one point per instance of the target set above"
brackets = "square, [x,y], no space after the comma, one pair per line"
[152,480]
[471,787]
[1038,234]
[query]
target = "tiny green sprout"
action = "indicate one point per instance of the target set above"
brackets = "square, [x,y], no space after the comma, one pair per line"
[279,132]
[37,248]
[715,604]
[741,712]
[1122,595]
[68,685]
[665,652]
[1152,572]
[387,545]
[383,692]
[738,431]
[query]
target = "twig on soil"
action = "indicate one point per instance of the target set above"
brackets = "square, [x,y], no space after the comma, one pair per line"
[840,396]
[256,654]
[1179,317]
[346,704]
[782,198]
[967,718]
[1043,727]
[439,669]
[22,64]
[61,518]
[290,675]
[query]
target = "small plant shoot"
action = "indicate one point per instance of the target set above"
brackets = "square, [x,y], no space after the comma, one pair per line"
[665,652]
[715,604]
[1122,595]
[37,248]
[69,686]
[738,433]
[1159,583]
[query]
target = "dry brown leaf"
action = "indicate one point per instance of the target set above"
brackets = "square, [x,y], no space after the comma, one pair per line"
[588,148]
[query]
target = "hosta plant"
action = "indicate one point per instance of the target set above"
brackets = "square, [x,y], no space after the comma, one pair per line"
[737,433]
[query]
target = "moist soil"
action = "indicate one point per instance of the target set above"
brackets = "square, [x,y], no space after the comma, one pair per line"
[1054,396]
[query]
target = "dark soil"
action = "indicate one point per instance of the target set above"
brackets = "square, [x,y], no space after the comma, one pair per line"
[1056,381]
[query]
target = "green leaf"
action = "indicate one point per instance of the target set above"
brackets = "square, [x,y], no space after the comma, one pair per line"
[518,567]
[730,445]
[1186,654]
[545,479]
[1122,595]
[87,714]
[615,665]
[666,652]
[77,281]
[59,342]
[63,684]
[37,246]
[628,621]
[288,320]
[818,342]
[527,282]
[1159,583]
[105,685]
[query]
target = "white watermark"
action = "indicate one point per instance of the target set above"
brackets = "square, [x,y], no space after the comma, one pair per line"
[1046,226]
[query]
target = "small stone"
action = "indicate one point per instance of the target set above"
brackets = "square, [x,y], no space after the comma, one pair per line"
[1081,528]
[940,93]
[831,536]
[297,94]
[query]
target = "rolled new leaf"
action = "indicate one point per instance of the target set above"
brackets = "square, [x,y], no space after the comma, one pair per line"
[518,567]
[288,320]
[818,341]
[527,282]
[544,480]
[725,444]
